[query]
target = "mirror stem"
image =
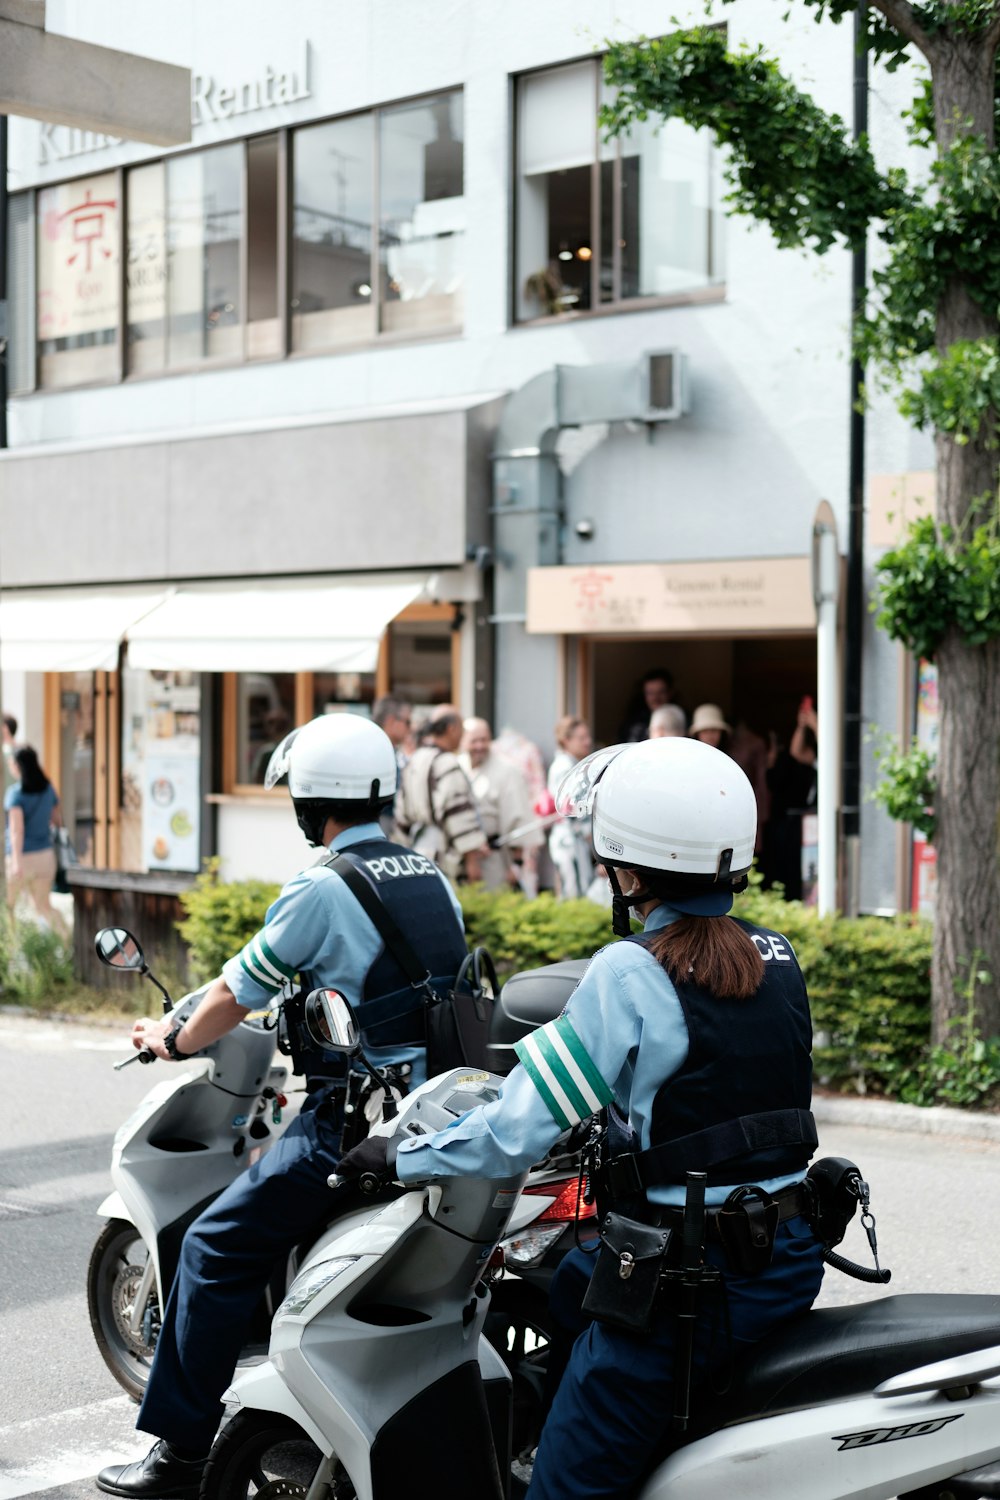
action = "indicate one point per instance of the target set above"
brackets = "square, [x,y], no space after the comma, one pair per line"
[168,1004]
[389,1110]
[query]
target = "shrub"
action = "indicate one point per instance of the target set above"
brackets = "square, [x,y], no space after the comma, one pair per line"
[220,916]
[36,966]
[868,977]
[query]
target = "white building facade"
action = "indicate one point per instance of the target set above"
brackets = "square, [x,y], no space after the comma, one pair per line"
[259,389]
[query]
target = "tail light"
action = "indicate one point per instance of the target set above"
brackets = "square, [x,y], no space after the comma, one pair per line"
[569,1201]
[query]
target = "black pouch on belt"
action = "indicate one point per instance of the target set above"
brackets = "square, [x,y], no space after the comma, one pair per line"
[626,1278]
[747,1223]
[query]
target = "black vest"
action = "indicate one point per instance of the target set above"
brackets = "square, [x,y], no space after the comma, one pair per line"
[410,887]
[745,1057]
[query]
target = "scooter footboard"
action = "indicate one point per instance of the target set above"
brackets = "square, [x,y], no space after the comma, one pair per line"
[864,1449]
[261,1388]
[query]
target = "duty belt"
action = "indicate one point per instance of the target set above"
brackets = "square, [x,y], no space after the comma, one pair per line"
[711,1150]
[790,1202]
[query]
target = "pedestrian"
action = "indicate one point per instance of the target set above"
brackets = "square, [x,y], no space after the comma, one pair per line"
[692,1030]
[669,720]
[708,724]
[435,810]
[341,771]
[791,779]
[569,840]
[32,808]
[513,746]
[9,732]
[504,805]
[394,716]
[655,689]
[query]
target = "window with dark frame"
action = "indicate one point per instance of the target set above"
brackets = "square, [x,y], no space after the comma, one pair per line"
[374,231]
[604,223]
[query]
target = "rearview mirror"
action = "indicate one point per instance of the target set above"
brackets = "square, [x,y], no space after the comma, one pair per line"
[116,947]
[330,1022]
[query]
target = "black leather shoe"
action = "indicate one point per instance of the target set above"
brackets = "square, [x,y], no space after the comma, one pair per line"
[160,1474]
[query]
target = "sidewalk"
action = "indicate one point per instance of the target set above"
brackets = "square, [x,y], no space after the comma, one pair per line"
[883,1114]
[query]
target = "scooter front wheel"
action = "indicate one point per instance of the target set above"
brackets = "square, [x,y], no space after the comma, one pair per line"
[260,1455]
[114,1280]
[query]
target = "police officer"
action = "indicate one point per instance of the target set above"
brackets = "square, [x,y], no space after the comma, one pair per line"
[699,1033]
[341,773]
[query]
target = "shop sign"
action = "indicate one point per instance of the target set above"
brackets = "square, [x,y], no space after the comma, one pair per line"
[213,98]
[744,596]
[78,249]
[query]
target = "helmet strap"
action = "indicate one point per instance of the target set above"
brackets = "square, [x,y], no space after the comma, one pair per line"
[312,821]
[621,924]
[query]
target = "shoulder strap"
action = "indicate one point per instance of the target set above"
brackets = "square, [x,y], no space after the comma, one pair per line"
[341,863]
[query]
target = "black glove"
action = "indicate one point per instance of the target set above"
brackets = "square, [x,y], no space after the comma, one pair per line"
[368,1164]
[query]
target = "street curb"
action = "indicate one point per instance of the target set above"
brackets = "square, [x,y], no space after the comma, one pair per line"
[912,1119]
[829,1109]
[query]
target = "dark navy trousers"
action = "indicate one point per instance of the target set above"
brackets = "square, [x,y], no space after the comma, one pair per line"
[614,1403]
[226,1261]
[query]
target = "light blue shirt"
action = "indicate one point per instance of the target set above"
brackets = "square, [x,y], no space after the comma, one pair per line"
[317,929]
[626,1013]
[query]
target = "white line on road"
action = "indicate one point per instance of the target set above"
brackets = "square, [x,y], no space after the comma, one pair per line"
[62,1447]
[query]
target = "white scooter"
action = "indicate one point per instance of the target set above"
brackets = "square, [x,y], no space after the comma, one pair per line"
[205,1122]
[379,1382]
[195,1131]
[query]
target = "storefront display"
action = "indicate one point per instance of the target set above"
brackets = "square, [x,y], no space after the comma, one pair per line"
[161,771]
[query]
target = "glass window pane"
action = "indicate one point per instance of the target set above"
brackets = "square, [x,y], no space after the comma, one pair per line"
[76,757]
[146,268]
[422,214]
[420,662]
[332,234]
[79,302]
[335,692]
[557,140]
[666,209]
[21,293]
[204,231]
[264,326]
[265,712]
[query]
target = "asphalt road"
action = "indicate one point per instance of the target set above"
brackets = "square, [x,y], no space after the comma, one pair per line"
[936,1198]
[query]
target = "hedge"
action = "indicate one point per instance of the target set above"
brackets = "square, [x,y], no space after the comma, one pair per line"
[868,977]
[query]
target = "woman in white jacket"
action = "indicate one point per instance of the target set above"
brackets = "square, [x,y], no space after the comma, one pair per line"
[569,840]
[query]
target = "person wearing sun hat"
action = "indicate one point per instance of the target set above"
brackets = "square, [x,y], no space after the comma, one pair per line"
[709,726]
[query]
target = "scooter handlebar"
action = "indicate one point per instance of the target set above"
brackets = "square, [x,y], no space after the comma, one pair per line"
[143,1055]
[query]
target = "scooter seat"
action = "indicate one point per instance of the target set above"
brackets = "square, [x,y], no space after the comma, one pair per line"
[835,1352]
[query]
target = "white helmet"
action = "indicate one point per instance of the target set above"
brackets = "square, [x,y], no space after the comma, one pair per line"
[335,758]
[671,805]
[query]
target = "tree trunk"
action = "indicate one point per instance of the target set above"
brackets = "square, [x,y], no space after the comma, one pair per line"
[967,916]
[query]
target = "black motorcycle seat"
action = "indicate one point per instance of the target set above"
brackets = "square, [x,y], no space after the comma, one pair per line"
[529,999]
[835,1352]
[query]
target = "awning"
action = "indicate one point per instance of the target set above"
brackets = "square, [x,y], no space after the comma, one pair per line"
[304,625]
[69,630]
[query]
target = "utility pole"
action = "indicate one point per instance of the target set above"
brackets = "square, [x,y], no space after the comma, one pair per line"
[855,600]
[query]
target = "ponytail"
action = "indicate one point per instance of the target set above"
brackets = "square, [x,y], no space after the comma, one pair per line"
[711,952]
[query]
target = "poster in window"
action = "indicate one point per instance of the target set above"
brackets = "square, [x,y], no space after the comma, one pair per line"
[78,258]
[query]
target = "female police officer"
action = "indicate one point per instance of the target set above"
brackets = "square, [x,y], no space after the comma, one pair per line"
[698,1031]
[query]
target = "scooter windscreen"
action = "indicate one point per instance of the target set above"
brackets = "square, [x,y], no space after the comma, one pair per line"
[277,766]
[575,797]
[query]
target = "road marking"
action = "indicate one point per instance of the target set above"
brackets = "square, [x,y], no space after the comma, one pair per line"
[67,1446]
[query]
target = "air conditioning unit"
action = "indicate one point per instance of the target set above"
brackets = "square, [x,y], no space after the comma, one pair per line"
[649,388]
[664,385]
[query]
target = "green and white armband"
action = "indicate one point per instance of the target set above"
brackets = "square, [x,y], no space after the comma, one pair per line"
[563,1072]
